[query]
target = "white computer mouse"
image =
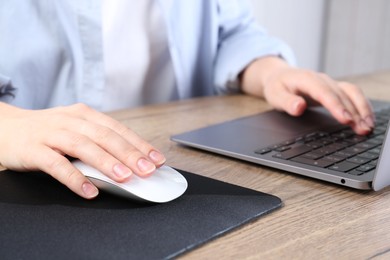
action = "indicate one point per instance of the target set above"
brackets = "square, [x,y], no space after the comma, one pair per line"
[164,185]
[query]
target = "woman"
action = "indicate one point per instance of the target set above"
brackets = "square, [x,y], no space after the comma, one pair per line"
[63,61]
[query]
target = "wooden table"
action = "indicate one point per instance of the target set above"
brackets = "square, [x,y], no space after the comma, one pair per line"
[318,220]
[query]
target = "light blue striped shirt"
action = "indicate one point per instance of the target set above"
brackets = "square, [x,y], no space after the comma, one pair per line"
[51,52]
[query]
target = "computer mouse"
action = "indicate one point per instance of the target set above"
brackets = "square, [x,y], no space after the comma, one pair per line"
[164,185]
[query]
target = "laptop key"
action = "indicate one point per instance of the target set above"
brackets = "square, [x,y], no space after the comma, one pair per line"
[366,145]
[343,166]
[356,172]
[377,140]
[358,160]
[375,151]
[263,150]
[293,152]
[353,150]
[319,163]
[344,153]
[328,149]
[288,142]
[314,144]
[311,155]
[374,162]
[334,158]
[282,148]
[343,134]
[369,155]
[325,141]
[356,139]
[366,168]
[378,131]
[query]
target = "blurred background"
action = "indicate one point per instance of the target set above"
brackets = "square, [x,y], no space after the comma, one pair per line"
[338,37]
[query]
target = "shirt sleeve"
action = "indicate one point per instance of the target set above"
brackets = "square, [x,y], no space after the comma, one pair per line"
[6,89]
[240,41]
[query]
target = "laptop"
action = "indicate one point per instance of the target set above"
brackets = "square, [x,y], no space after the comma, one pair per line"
[314,145]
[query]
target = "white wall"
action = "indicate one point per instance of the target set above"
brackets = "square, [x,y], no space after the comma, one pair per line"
[357,37]
[297,22]
[338,37]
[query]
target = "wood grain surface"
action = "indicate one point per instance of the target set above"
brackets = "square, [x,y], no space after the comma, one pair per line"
[318,219]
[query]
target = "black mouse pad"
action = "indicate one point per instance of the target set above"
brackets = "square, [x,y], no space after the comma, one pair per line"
[41,219]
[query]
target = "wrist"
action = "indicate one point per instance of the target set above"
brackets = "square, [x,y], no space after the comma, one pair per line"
[256,75]
[8,110]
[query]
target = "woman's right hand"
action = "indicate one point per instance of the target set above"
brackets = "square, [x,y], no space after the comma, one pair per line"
[39,140]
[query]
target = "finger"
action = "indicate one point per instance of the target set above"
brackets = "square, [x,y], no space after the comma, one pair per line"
[82,147]
[328,93]
[350,105]
[115,145]
[356,104]
[283,99]
[61,169]
[131,137]
[82,131]
[317,89]
[362,104]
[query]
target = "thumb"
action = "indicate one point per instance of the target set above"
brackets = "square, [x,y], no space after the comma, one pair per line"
[284,100]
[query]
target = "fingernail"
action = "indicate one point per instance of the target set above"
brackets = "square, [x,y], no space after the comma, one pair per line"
[296,107]
[364,125]
[89,190]
[347,115]
[157,157]
[121,171]
[370,121]
[145,166]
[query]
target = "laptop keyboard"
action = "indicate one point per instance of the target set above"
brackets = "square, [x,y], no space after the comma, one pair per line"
[336,149]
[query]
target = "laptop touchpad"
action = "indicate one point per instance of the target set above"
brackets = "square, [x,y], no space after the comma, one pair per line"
[280,122]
